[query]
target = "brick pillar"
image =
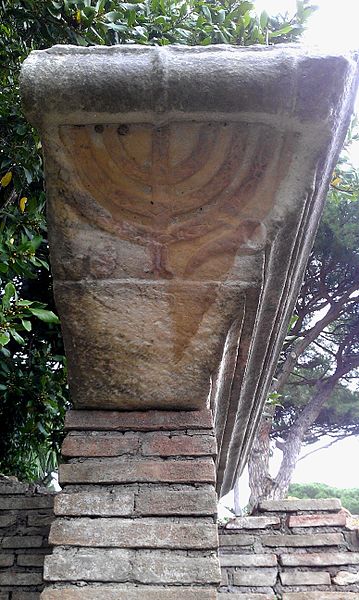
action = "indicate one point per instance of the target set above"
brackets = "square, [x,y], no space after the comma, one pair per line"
[136,519]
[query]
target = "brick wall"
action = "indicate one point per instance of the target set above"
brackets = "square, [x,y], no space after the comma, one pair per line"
[25,515]
[137,516]
[294,550]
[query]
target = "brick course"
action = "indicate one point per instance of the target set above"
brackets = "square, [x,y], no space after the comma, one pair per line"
[25,516]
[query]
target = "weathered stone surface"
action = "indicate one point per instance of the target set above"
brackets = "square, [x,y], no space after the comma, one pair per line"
[189,199]
[303,541]
[248,560]
[252,522]
[130,533]
[117,503]
[146,470]
[183,501]
[255,577]
[307,504]
[346,578]
[236,539]
[305,578]
[88,564]
[150,420]
[320,559]
[321,596]
[131,593]
[329,520]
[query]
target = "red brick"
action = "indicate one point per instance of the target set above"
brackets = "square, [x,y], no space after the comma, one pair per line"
[128,593]
[133,533]
[159,444]
[169,471]
[150,420]
[328,520]
[252,522]
[94,503]
[30,560]
[305,578]
[320,559]
[6,560]
[22,541]
[87,444]
[165,500]
[20,578]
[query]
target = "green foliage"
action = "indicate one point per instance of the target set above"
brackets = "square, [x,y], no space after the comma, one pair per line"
[33,387]
[349,496]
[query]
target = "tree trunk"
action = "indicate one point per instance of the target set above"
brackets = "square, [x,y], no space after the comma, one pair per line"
[262,485]
[260,482]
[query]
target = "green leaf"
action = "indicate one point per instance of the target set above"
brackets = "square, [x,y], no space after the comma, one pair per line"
[207,13]
[10,292]
[4,338]
[17,337]
[26,324]
[263,19]
[283,31]
[44,315]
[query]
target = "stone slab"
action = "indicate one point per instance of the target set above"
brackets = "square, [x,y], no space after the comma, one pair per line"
[131,593]
[328,520]
[305,578]
[248,560]
[320,559]
[104,503]
[149,420]
[253,522]
[255,577]
[146,470]
[303,541]
[130,533]
[310,505]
